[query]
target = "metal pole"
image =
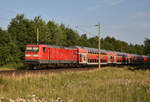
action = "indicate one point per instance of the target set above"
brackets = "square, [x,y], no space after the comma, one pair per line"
[37,36]
[99,47]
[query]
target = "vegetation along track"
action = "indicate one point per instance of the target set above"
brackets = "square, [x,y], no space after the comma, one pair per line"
[41,71]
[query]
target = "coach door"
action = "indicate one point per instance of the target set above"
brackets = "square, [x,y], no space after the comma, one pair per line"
[108,59]
[114,59]
[83,57]
[129,60]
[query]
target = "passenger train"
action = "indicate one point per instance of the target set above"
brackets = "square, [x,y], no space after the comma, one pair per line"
[37,56]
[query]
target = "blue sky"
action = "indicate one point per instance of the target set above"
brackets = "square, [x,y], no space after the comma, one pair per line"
[127,20]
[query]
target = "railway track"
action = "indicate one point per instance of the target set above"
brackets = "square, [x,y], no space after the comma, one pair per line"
[41,71]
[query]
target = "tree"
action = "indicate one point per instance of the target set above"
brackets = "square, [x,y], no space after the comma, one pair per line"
[93,42]
[72,37]
[147,46]
[8,50]
[22,32]
[4,48]
[43,30]
[83,41]
[56,35]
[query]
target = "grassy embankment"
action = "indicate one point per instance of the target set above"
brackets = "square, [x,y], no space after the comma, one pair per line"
[105,85]
[12,66]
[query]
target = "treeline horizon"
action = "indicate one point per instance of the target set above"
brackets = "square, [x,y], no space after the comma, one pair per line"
[22,31]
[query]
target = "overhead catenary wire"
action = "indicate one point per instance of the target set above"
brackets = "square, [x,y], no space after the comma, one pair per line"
[85,31]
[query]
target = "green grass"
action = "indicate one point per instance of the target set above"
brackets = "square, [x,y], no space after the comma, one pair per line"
[105,85]
[12,66]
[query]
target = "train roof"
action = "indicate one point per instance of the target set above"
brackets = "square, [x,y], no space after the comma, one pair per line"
[121,53]
[94,50]
[135,55]
[90,50]
[53,46]
[146,56]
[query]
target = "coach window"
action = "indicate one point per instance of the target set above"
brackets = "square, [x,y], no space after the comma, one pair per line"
[44,49]
[90,60]
[80,55]
[111,57]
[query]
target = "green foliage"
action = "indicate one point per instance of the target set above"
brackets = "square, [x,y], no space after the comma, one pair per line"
[56,35]
[72,37]
[43,29]
[22,32]
[110,43]
[147,46]
[5,55]
[93,41]
[83,41]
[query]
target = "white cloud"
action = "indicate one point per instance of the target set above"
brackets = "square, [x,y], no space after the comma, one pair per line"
[131,26]
[113,2]
[94,8]
[142,25]
[104,4]
[142,14]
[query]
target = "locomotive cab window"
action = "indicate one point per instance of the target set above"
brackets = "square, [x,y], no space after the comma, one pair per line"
[44,49]
[29,49]
[32,49]
[35,49]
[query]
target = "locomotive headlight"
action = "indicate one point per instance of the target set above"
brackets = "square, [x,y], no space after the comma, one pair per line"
[35,55]
[27,55]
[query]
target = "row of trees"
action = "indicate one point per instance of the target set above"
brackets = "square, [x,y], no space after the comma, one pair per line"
[22,31]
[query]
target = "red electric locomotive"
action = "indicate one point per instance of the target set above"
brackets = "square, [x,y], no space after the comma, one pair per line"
[36,55]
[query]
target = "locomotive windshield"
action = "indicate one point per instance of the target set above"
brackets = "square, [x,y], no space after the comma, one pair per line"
[29,49]
[32,49]
[35,49]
